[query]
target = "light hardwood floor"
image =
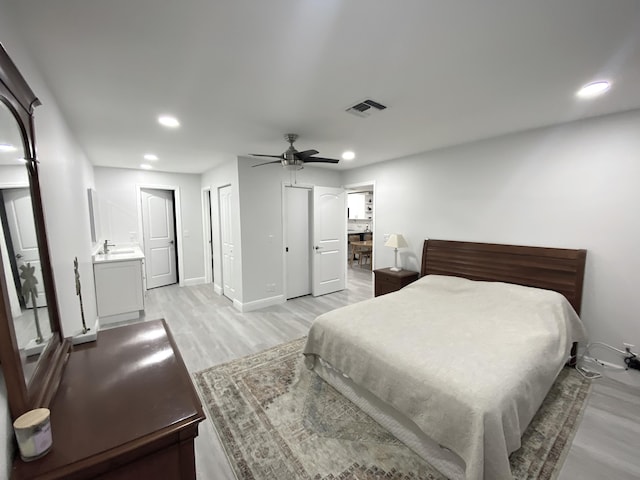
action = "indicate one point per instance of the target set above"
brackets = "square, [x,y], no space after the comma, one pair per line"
[209,331]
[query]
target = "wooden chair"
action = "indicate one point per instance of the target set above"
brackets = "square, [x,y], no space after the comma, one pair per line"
[364,253]
[352,248]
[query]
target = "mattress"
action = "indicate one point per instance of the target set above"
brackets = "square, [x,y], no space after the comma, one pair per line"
[468,363]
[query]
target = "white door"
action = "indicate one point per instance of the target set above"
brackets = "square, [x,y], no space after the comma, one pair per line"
[158,227]
[226,234]
[329,240]
[297,241]
[22,228]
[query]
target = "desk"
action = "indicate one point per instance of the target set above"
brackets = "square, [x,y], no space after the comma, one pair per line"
[125,409]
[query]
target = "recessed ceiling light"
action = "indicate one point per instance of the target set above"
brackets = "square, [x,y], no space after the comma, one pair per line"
[6,147]
[145,166]
[593,89]
[150,156]
[168,121]
[348,155]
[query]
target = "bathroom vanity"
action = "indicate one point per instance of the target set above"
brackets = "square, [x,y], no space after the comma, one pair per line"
[119,281]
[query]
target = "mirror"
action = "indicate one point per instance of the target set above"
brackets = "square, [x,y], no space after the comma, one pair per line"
[94,217]
[32,350]
[19,246]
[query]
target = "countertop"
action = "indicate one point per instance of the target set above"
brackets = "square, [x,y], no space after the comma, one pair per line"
[120,253]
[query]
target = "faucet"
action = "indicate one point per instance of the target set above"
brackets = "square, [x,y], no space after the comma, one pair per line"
[105,247]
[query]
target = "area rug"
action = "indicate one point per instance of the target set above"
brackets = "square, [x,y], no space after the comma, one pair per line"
[278,420]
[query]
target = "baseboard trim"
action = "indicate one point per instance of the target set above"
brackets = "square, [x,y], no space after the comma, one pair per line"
[189,282]
[217,288]
[120,317]
[257,304]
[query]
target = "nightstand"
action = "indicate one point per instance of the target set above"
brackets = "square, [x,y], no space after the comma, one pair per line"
[388,281]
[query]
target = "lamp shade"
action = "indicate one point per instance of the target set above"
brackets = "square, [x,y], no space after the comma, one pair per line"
[396,240]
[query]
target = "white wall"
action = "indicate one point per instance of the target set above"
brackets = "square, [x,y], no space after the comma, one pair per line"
[116,190]
[261,223]
[65,176]
[570,186]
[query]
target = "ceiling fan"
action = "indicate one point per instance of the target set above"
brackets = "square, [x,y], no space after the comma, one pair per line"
[292,158]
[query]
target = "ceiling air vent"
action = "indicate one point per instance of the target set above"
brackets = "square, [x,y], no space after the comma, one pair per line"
[365,108]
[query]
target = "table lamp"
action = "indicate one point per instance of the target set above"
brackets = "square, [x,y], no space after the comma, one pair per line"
[395,241]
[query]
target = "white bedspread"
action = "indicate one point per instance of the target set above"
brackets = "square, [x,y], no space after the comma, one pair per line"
[468,362]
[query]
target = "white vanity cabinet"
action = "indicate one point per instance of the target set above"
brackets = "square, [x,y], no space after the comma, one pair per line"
[119,288]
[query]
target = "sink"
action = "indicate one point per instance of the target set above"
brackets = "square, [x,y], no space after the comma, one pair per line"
[119,254]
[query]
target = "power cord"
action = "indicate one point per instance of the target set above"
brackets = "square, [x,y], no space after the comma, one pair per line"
[630,360]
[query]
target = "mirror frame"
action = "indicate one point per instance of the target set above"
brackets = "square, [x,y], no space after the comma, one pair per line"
[16,95]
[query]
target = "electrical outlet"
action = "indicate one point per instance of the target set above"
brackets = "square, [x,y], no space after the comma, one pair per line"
[386,237]
[271,287]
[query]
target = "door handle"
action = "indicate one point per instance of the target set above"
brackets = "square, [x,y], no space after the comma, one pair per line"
[18,256]
[170,242]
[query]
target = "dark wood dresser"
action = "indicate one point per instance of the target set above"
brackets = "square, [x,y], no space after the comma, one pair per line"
[387,281]
[125,408]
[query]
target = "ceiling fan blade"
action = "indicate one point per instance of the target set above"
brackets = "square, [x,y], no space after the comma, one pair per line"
[264,155]
[267,163]
[320,160]
[306,153]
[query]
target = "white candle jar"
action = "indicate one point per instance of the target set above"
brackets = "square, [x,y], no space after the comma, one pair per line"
[33,433]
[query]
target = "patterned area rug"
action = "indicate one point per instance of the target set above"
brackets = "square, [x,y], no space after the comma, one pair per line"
[278,420]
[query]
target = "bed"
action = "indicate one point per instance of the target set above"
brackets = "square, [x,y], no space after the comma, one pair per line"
[457,363]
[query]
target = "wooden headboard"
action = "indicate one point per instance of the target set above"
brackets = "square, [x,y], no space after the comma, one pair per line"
[558,269]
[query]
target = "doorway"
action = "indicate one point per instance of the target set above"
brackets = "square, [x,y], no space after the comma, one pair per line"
[159,236]
[314,240]
[208,235]
[361,225]
[297,241]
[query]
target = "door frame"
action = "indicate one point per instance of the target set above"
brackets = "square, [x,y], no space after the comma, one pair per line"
[207,229]
[357,185]
[178,219]
[306,186]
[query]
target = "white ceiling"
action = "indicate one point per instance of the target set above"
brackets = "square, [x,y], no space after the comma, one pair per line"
[241,73]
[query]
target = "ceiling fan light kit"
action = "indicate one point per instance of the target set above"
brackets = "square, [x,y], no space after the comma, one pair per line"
[293,159]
